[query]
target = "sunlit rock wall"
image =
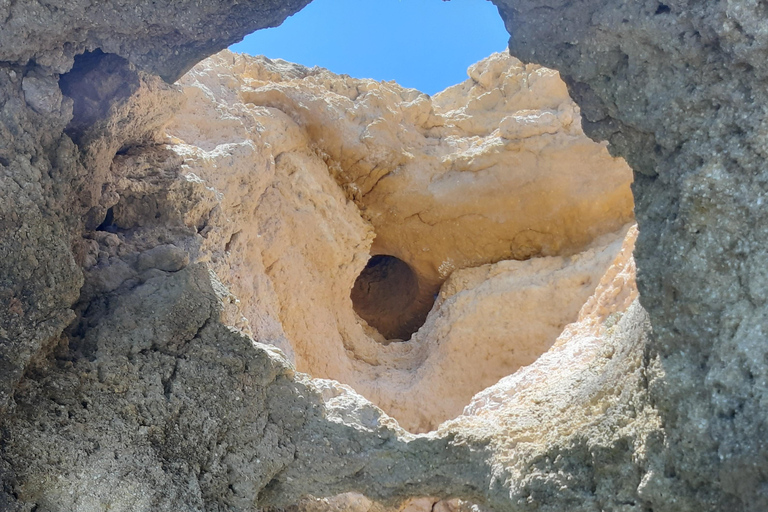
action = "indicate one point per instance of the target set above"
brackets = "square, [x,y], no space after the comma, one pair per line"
[316,172]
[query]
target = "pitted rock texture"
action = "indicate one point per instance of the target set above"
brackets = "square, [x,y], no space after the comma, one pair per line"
[151,399]
[665,413]
[51,186]
[181,412]
[678,88]
[315,172]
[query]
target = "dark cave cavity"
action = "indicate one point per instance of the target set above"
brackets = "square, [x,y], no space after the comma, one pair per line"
[387,295]
[96,82]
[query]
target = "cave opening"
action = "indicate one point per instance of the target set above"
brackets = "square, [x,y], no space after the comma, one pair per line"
[108,224]
[468,207]
[386,295]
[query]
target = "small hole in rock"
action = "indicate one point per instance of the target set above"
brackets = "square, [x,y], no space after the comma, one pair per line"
[109,222]
[386,295]
[663,9]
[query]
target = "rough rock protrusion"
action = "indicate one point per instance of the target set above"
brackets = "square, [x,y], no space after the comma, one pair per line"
[59,184]
[162,37]
[180,411]
[678,89]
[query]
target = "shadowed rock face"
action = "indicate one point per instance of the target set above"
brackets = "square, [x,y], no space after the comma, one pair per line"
[163,37]
[679,89]
[49,183]
[385,294]
[149,402]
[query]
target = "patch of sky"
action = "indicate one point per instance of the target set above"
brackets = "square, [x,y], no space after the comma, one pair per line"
[422,44]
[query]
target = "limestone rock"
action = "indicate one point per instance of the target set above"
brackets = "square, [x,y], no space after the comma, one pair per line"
[580,342]
[160,36]
[51,184]
[492,319]
[678,89]
[665,412]
[173,410]
[427,190]
[40,278]
[436,186]
[176,218]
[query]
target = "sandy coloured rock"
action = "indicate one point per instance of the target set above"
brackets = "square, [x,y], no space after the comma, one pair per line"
[356,168]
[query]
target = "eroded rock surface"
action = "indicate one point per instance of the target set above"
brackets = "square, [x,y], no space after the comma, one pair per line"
[63,185]
[678,88]
[96,218]
[150,400]
[316,172]
[160,36]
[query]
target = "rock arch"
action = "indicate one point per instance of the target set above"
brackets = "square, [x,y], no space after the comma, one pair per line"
[678,91]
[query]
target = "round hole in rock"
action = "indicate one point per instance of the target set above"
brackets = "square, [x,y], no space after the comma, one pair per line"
[386,295]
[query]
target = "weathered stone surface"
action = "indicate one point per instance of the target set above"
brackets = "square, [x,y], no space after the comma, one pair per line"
[150,402]
[440,189]
[160,407]
[672,420]
[586,400]
[39,278]
[52,184]
[488,322]
[678,88]
[434,176]
[161,36]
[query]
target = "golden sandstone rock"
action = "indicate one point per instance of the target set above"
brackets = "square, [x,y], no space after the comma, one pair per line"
[490,185]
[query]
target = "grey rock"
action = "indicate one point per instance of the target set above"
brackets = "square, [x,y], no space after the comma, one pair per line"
[42,94]
[39,278]
[168,409]
[163,37]
[166,257]
[48,183]
[679,89]
[108,278]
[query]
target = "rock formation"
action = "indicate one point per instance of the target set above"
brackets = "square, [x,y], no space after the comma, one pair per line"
[129,381]
[678,89]
[301,159]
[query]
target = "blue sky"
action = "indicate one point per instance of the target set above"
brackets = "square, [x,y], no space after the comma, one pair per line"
[424,44]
